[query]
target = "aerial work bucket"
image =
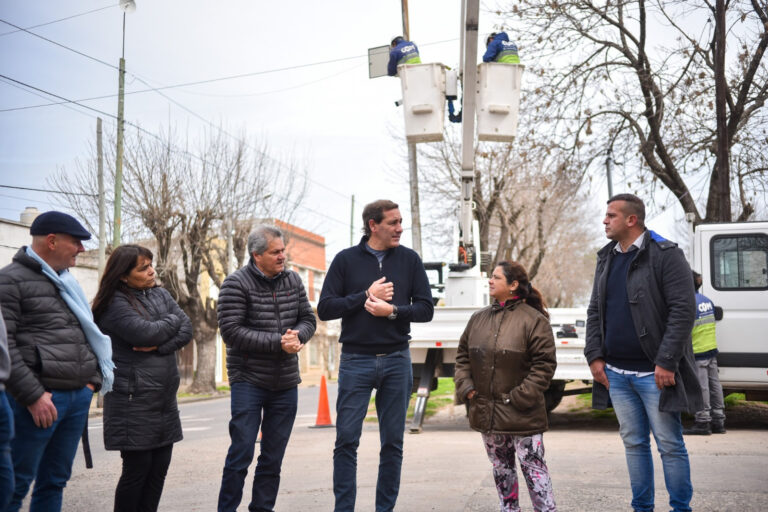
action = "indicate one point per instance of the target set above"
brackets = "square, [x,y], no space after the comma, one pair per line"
[498,100]
[423,101]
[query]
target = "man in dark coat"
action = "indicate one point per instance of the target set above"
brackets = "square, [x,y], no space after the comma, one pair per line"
[638,347]
[265,319]
[377,288]
[54,369]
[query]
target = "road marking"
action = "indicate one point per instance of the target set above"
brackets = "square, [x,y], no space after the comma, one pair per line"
[195,429]
[193,418]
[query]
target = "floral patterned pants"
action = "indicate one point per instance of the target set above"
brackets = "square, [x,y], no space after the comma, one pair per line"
[502,449]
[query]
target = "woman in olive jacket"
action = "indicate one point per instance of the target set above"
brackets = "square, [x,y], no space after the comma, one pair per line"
[141,417]
[505,362]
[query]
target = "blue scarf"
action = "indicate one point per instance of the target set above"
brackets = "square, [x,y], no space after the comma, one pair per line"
[73,295]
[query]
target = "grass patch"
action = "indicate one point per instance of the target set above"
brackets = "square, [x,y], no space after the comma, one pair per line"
[438,399]
[585,400]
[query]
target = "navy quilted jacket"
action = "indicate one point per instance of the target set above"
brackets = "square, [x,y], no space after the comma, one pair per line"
[254,312]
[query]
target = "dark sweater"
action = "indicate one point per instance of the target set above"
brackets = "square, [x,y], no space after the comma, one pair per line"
[349,276]
[622,346]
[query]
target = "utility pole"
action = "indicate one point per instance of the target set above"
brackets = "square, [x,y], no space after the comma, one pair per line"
[102,201]
[413,167]
[352,222]
[127,6]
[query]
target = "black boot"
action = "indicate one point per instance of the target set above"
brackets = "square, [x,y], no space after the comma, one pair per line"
[699,428]
[718,426]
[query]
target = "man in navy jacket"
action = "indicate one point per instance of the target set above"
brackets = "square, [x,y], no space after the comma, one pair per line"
[402,52]
[501,49]
[377,288]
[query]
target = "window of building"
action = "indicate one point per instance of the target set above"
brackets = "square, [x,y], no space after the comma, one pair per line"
[304,275]
[317,278]
[740,262]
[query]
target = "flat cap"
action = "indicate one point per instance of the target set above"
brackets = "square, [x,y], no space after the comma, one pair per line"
[58,222]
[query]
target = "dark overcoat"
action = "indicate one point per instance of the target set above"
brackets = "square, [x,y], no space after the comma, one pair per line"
[663,307]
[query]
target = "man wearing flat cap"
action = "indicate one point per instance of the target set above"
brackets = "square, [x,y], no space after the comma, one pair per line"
[58,358]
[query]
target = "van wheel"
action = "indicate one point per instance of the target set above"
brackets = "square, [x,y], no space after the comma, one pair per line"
[554,394]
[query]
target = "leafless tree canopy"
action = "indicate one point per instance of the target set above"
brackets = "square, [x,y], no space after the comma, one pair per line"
[529,203]
[185,199]
[641,77]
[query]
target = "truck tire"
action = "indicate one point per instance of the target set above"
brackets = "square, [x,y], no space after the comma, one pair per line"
[554,394]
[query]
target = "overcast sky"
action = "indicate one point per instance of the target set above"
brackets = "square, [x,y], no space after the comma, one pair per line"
[331,115]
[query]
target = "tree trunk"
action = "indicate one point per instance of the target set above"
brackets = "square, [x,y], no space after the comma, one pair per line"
[719,200]
[205,374]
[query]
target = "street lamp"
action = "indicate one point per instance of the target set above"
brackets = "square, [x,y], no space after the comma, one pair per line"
[126,6]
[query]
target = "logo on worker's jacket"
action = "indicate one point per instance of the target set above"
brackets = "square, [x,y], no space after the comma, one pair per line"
[408,48]
[705,306]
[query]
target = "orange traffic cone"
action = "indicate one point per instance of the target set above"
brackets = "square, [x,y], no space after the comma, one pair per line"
[323,411]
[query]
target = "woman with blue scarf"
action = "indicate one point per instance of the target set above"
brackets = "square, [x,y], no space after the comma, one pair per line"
[141,417]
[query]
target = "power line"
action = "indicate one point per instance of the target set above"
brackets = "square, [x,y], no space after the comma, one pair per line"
[110,6]
[63,104]
[59,44]
[50,191]
[200,82]
[157,90]
[156,137]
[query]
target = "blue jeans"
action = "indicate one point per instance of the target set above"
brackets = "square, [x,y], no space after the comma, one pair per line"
[392,377]
[45,455]
[248,404]
[6,461]
[636,403]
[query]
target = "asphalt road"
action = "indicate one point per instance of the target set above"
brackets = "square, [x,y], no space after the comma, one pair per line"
[445,468]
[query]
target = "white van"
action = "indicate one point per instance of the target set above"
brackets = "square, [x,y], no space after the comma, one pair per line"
[733,261]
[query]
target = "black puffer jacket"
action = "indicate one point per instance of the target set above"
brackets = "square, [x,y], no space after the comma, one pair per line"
[141,412]
[254,312]
[47,346]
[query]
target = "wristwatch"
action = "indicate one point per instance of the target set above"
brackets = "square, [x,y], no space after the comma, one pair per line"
[393,314]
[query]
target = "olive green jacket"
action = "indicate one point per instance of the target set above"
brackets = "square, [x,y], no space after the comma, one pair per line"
[506,354]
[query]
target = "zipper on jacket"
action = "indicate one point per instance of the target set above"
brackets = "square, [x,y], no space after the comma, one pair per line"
[493,366]
[278,366]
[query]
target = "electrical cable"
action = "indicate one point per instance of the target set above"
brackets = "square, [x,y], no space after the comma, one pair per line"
[157,137]
[111,5]
[50,191]
[158,89]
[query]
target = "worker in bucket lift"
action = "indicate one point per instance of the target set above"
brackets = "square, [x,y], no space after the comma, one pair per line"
[402,52]
[500,49]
